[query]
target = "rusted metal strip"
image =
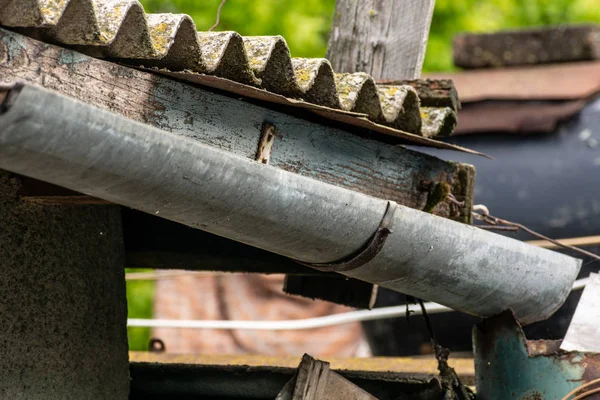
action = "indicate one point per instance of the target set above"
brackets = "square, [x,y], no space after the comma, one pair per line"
[368,252]
[265,145]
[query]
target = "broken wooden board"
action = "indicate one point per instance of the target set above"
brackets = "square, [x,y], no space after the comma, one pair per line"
[314,381]
[386,39]
[346,159]
[527,47]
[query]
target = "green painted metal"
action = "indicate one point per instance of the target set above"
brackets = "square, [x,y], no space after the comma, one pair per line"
[508,366]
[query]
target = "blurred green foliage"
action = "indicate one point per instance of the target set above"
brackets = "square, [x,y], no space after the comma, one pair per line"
[455,16]
[140,296]
[305,25]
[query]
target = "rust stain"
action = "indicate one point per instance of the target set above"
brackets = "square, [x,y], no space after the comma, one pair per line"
[543,347]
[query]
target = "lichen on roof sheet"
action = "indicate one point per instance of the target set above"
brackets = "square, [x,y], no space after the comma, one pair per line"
[121,30]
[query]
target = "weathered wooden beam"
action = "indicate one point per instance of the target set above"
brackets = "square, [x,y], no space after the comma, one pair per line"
[407,367]
[154,380]
[314,380]
[529,46]
[302,146]
[385,38]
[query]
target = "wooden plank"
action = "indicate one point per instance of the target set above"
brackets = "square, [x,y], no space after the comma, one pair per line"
[302,146]
[408,366]
[527,47]
[385,38]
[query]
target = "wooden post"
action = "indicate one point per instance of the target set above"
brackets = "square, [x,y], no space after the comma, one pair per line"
[384,38]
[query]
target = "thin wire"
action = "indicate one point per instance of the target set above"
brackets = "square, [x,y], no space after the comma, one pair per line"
[308,323]
[218,15]
[577,389]
[484,215]
[573,241]
[152,276]
[498,228]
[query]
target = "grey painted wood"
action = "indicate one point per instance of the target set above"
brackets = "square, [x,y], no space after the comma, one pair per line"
[385,38]
[324,153]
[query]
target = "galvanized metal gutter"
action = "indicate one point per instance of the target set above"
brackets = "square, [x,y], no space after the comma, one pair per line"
[68,143]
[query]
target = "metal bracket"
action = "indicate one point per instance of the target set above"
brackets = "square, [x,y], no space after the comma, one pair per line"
[366,254]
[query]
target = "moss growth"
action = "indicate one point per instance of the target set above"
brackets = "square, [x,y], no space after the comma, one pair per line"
[437,194]
[160,38]
[463,187]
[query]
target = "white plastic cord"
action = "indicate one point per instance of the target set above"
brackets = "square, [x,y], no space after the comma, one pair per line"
[309,323]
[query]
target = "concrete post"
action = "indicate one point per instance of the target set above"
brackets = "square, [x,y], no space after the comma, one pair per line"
[63,308]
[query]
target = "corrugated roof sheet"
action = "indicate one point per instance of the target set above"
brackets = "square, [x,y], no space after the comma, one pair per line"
[120,29]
